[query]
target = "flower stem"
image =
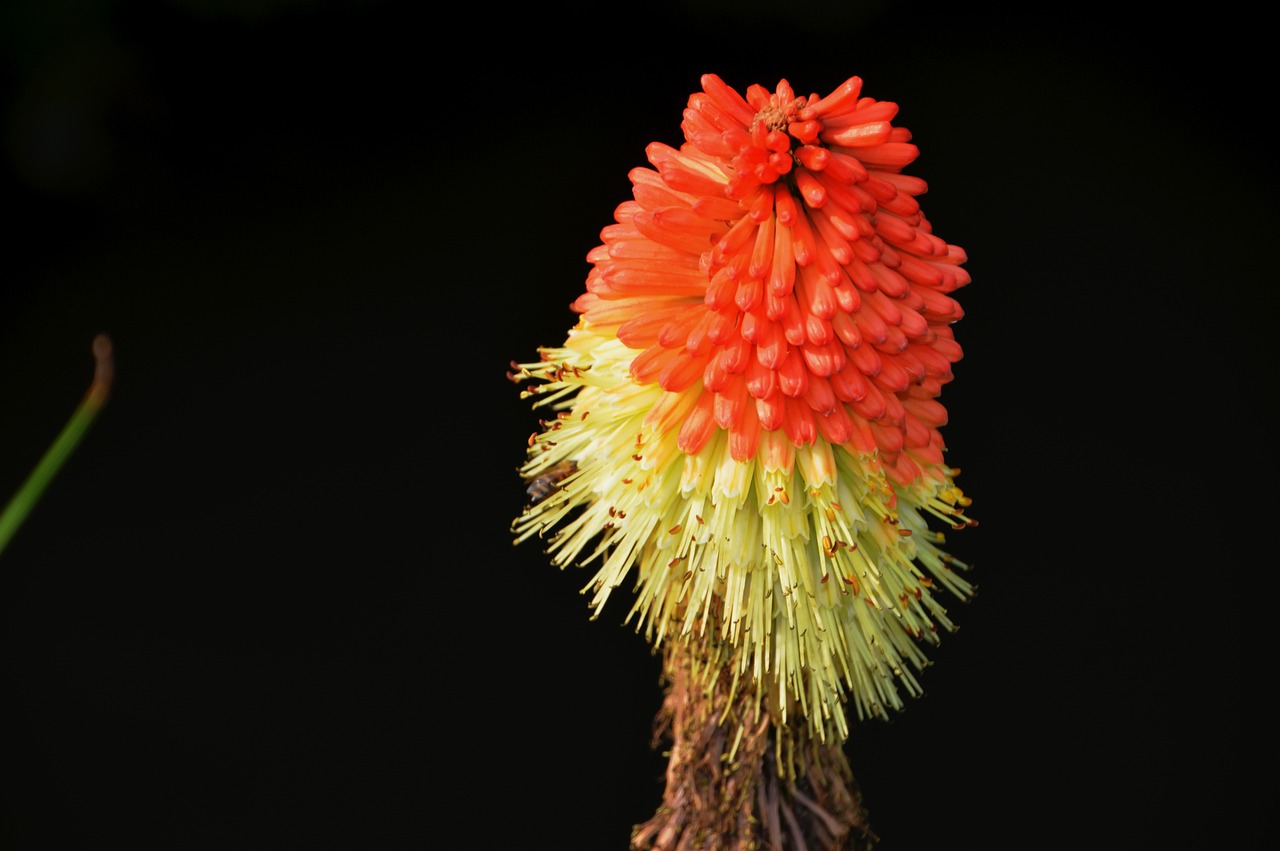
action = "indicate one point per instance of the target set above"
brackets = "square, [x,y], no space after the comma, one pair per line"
[736,782]
[33,488]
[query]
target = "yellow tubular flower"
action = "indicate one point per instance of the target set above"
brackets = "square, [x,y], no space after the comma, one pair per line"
[745,417]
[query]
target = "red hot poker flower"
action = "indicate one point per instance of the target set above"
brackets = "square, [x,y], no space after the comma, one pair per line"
[765,333]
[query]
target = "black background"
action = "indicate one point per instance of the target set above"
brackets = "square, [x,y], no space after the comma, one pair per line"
[271,601]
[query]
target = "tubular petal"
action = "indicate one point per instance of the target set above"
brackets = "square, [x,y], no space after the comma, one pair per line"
[647,328]
[912,323]
[698,426]
[782,274]
[845,168]
[823,359]
[928,411]
[760,205]
[866,111]
[847,298]
[810,189]
[835,427]
[650,363]
[865,135]
[884,307]
[753,324]
[938,308]
[871,325]
[948,348]
[894,340]
[871,406]
[889,439]
[835,241]
[819,395]
[732,242]
[676,330]
[812,157]
[848,384]
[683,230]
[771,411]
[717,207]
[761,381]
[730,401]
[748,294]
[744,434]
[915,433]
[817,330]
[793,376]
[815,295]
[680,372]
[771,349]
[701,336]
[936,365]
[866,359]
[792,322]
[785,206]
[802,245]
[889,282]
[638,280]
[846,330]
[720,291]
[892,377]
[727,99]
[891,155]
[798,423]
[721,330]
[762,253]
[842,99]
[860,273]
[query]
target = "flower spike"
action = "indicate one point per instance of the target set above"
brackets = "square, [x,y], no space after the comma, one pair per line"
[747,425]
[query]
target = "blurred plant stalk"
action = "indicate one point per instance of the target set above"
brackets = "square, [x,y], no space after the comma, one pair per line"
[68,439]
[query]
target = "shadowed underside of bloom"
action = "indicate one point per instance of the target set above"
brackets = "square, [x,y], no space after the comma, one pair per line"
[746,424]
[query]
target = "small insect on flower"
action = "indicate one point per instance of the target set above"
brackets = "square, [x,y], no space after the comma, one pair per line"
[766,329]
[543,484]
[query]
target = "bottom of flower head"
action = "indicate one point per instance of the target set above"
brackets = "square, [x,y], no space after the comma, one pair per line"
[811,564]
